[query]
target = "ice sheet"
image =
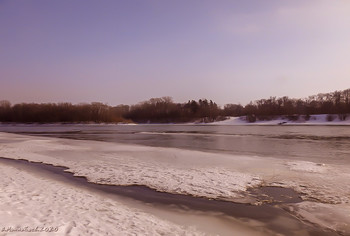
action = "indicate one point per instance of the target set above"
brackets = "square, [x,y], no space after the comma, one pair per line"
[173,170]
[168,170]
[196,173]
[335,217]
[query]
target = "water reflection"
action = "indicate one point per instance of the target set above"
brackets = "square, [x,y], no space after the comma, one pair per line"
[328,144]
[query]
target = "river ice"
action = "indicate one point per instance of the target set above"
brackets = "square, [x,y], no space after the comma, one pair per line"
[202,174]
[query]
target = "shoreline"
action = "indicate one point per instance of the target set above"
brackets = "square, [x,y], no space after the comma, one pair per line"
[181,124]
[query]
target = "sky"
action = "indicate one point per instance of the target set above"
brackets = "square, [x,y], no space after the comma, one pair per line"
[125,52]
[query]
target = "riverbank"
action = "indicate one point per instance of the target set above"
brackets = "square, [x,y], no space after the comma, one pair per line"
[320,119]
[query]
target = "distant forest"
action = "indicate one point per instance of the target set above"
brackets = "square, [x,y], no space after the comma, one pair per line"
[165,110]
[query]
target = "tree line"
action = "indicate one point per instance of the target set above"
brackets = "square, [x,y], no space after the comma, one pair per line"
[165,110]
[61,112]
[334,103]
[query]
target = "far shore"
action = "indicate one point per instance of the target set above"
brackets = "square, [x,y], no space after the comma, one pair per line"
[313,120]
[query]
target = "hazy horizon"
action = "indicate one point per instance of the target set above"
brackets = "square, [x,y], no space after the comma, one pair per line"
[172,99]
[123,52]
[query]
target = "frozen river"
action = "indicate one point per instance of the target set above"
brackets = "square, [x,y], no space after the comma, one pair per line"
[239,164]
[326,144]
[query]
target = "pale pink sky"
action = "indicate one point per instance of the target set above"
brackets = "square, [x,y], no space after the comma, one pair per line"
[128,51]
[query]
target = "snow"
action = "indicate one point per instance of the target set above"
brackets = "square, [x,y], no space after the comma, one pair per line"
[28,201]
[167,170]
[320,119]
[307,166]
[202,174]
[335,217]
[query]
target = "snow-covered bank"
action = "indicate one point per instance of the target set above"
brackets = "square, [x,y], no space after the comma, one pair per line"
[322,119]
[186,172]
[211,217]
[29,203]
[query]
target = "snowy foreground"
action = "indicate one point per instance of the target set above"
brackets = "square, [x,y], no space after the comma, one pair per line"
[32,200]
[44,207]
